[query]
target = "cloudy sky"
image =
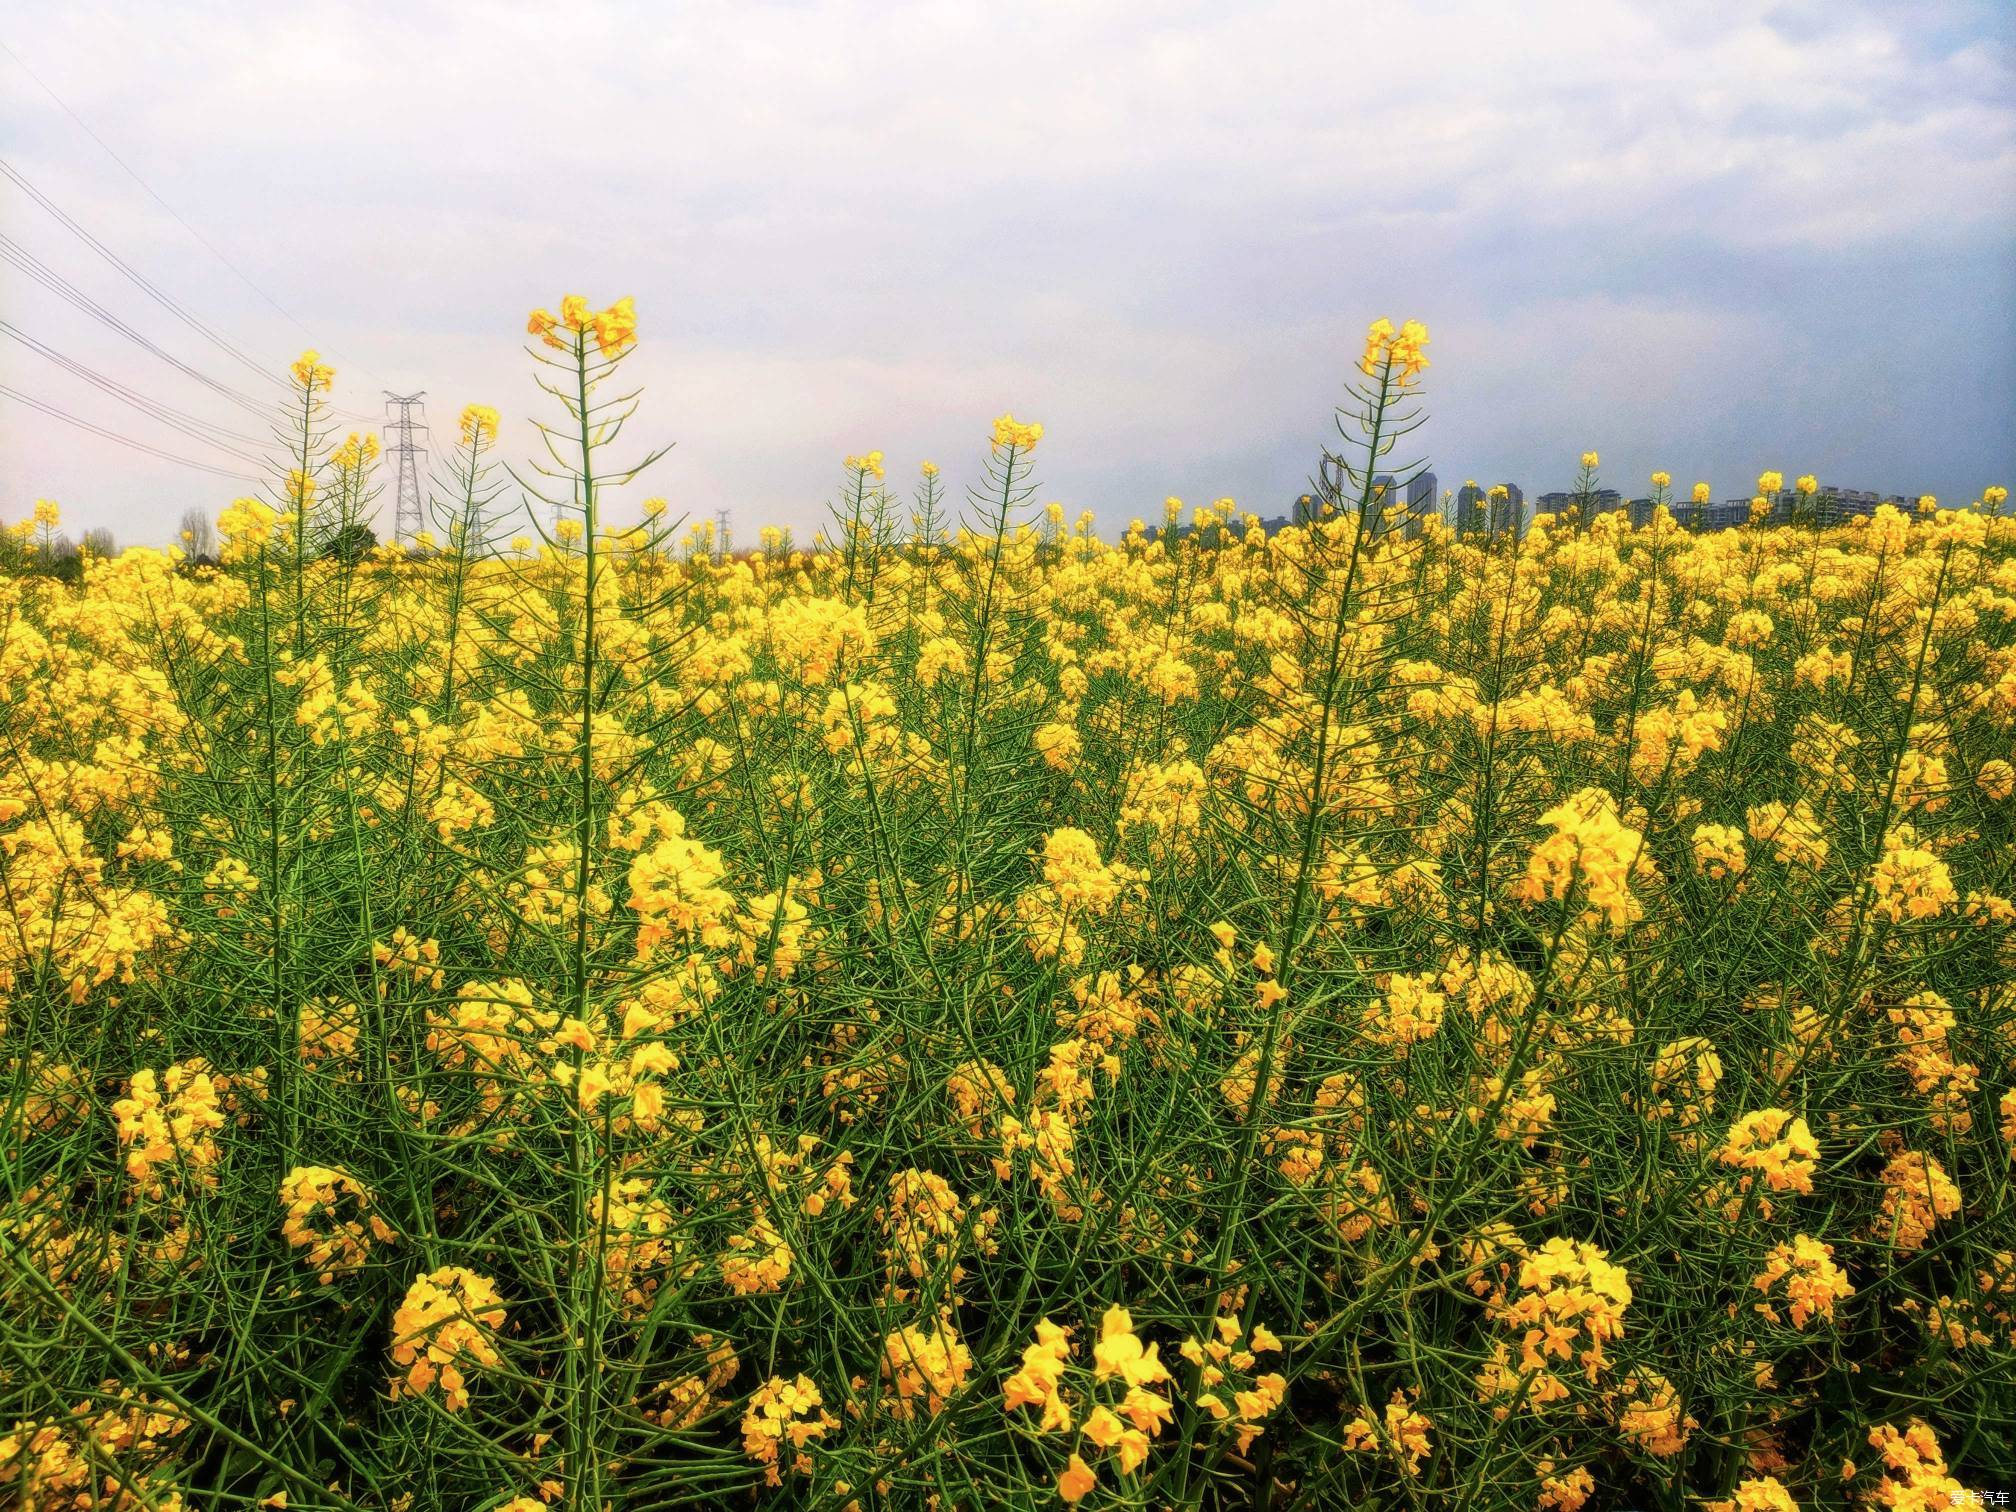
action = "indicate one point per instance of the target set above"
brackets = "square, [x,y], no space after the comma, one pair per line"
[1705,237]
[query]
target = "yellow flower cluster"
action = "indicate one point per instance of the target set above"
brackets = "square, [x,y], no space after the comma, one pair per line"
[676,892]
[1925,1053]
[758,1260]
[445,1326]
[1048,1134]
[1756,1493]
[641,1241]
[1398,352]
[167,1125]
[782,1418]
[927,1226]
[1793,833]
[1774,1144]
[1077,887]
[329,1214]
[1917,1193]
[1230,1386]
[63,913]
[1718,851]
[1403,1435]
[356,453]
[105,1455]
[1012,435]
[613,330]
[684,1400]
[1651,1415]
[1812,1282]
[1565,1491]
[1568,1304]
[311,374]
[1408,1012]
[1592,849]
[1915,1474]
[1910,882]
[479,425]
[1039,1382]
[1123,1411]
[924,1368]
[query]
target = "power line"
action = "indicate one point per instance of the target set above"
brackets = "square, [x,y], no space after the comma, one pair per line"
[85,127]
[99,430]
[193,426]
[27,262]
[167,301]
[13,252]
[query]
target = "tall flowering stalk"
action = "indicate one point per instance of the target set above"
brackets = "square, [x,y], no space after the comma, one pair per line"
[1356,520]
[581,351]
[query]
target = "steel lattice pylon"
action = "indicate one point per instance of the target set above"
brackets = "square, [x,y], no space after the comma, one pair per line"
[409,503]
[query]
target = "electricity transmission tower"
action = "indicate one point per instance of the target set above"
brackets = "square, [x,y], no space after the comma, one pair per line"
[722,549]
[408,510]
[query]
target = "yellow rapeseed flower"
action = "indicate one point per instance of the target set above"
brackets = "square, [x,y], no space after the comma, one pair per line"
[311,374]
[1011,434]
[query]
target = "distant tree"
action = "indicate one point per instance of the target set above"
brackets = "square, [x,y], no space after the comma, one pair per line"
[352,543]
[62,561]
[99,542]
[197,536]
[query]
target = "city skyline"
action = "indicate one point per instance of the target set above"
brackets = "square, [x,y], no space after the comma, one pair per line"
[1504,507]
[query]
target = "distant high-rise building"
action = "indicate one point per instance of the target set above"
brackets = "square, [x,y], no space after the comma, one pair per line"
[1599,501]
[1825,506]
[1506,514]
[1422,502]
[1419,495]
[1833,505]
[1470,500]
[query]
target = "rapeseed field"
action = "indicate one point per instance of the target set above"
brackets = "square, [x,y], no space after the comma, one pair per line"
[969,1014]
